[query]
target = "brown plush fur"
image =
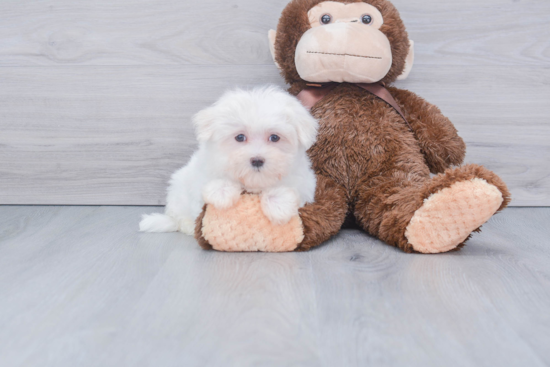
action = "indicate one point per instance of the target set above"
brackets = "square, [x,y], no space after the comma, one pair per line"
[370,165]
[198,231]
[366,148]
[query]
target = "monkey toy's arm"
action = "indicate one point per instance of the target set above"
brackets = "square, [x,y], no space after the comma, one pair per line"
[438,137]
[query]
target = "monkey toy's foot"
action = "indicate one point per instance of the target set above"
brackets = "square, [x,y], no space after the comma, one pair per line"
[448,217]
[245,228]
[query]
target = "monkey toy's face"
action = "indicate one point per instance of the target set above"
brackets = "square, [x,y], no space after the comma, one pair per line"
[342,41]
[344,44]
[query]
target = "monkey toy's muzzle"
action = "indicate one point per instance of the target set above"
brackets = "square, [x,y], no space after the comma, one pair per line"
[343,52]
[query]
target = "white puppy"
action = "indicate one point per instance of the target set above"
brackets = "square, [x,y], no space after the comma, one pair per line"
[254,141]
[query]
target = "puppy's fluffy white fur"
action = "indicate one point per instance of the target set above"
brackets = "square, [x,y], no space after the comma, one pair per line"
[223,168]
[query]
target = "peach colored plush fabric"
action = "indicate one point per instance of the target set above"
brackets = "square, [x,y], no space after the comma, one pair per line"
[449,216]
[248,229]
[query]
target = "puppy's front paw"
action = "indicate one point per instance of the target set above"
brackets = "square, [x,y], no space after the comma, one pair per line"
[223,194]
[280,204]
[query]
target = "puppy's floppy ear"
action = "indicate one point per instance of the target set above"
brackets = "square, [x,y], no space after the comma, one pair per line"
[305,124]
[204,124]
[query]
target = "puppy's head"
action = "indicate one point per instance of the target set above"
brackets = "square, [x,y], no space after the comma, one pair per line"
[256,136]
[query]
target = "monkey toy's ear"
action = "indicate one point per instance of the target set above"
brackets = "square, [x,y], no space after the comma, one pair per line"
[409,61]
[272,36]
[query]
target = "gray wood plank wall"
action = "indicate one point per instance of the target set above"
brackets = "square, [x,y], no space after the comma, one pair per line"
[96,97]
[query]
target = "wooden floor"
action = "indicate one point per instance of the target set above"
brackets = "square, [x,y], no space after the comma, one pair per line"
[79,286]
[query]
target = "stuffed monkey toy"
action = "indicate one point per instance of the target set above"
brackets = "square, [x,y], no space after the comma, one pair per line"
[376,145]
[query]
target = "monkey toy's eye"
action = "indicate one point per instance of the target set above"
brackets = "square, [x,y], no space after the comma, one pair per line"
[325,19]
[274,138]
[366,19]
[240,138]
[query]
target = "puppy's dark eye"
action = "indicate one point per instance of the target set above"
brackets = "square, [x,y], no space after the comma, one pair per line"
[366,19]
[274,138]
[325,19]
[240,138]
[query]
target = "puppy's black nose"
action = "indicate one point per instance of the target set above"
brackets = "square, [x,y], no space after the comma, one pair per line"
[257,162]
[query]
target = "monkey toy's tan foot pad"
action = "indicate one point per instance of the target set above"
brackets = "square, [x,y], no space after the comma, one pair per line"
[448,217]
[245,228]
